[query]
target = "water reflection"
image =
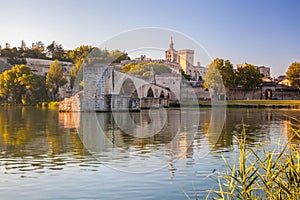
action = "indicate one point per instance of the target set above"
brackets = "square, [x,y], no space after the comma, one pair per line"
[260,125]
[33,139]
[115,139]
[42,140]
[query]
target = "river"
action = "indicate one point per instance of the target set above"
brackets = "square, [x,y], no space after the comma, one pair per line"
[152,154]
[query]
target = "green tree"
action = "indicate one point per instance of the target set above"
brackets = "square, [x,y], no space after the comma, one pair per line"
[248,77]
[117,56]
[143,68]
[37,90]
[55,51]
[33,53]
[226,70]
[293,74]
[77,56]
[55,79]
[6,52]
[15,83]
[214,82]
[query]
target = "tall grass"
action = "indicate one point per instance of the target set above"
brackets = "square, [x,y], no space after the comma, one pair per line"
[260,173]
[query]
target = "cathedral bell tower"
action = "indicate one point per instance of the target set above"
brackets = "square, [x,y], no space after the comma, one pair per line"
[171,53]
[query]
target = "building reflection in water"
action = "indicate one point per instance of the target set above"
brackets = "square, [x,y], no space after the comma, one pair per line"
[43,139]
[150,139]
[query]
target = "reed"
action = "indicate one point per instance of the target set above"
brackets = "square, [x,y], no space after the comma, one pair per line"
[260,173]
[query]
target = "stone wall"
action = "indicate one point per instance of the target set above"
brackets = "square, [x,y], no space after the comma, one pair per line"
[72,104]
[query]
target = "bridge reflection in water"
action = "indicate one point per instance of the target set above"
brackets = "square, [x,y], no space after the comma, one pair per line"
[150,139]
[143,141]
[42,140]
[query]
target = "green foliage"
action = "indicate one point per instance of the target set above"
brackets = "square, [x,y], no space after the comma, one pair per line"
[88,54]
[143,68]
[126,68]
[55,79]
[226,70]
[56,51]
[16,55]
[249,77]
[20,85]
[117,56]
[34,53]
[79,53]
[53,105]
[38,90]
[213,81]
[293,74]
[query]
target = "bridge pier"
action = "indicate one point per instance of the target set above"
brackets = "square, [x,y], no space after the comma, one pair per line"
[151,102]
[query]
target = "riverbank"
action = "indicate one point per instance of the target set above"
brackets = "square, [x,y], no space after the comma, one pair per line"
[264,103]
[230,103]
[51,105]
[244,104]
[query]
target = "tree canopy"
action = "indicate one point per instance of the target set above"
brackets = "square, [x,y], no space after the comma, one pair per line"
[248,77]
[55,79]
[226,70]
[143,68]
[19,85]
[293,74]
[213,81]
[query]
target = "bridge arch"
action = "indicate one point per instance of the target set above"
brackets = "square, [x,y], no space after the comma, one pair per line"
[150,92]
[126,86]
[162,94]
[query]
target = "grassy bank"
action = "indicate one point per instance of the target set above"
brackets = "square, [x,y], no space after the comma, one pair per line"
[51,105]
[264,103]
[243,103]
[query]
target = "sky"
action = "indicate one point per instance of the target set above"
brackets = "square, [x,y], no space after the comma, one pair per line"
[260,32]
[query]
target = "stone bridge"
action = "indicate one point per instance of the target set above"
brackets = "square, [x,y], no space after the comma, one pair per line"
[108,90]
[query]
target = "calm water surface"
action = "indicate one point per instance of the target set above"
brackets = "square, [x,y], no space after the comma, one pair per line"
[49,155]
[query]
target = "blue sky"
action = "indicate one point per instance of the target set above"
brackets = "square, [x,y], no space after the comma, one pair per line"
[260,32]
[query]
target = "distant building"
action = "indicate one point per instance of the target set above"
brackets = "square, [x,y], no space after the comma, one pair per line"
[41,66]
[199,72]
[284,82]
[171,53]
[174,66]
[186,60]
[264,70]
[281,78]
[7,45]
[23,45]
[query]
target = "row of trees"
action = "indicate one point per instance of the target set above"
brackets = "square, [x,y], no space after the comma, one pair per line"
[54,51]
[143,68]
[247,77]
[19,85]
